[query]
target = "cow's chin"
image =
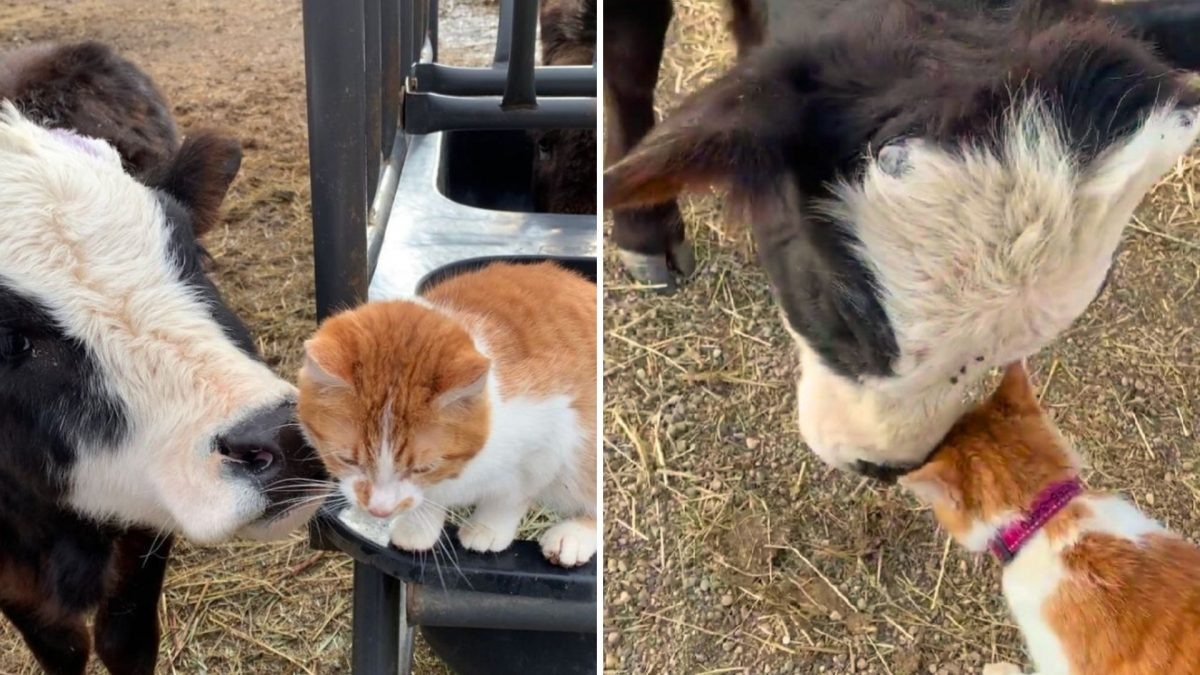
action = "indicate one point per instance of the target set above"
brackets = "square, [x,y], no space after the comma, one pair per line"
[244,512]
[220,515]
[279,526]
[855,427]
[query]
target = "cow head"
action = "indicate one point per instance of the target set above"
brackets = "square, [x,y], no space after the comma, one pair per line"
[138,392]
[930,195]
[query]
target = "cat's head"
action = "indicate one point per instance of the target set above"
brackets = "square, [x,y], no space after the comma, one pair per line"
[394,397]
[993,463]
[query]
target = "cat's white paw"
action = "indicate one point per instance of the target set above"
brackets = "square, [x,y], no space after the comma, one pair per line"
[415,534]
[1002,669]
[570,543]
[483,537]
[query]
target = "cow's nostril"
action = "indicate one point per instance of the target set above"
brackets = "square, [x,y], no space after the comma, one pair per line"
[255,457]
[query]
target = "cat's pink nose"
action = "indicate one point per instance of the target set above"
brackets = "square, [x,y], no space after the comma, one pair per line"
[379,511]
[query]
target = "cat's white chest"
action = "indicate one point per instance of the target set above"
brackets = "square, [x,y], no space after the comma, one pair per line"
[530,444]
[530,431]
[1029,581]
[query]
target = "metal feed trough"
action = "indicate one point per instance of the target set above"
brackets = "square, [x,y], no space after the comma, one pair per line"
[421,170]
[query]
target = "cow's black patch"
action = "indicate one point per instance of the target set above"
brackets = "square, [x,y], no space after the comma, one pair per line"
[828,295]
[189,259]
[53,403]
[52,394]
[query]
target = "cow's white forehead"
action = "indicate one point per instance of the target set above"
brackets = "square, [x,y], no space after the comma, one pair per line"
[997,252]
[92,247]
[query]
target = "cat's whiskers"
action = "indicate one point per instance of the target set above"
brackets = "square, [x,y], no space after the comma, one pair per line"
[448,513]
[449,550]
[161,536]
[452,556]
[306,481]
[288,425]
[301,501]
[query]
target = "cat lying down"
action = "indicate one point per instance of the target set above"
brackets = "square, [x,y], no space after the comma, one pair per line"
[482,394]
[1094,585]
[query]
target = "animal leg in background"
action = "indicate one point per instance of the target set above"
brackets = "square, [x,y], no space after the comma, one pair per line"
[60,644]
[651,241]
[126,631]
[747,24]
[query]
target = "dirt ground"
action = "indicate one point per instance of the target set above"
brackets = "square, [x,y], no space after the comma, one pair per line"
[242,608]
[729,548]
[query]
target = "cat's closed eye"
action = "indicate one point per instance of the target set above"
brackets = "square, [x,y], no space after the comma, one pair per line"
[424,468]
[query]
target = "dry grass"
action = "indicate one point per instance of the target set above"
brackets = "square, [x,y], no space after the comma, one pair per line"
[729,548]
[241,608]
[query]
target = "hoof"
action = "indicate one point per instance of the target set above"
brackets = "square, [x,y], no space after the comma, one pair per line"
[683,258]
[648,269]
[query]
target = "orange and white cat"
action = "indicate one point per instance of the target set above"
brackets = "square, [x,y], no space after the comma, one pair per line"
[1095,586]
[481,393]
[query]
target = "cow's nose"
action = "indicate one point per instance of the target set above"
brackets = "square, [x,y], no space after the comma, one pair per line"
[255,446]
[885,473]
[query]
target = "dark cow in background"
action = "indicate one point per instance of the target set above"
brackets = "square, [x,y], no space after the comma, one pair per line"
[650,237]
[564,169]
[133,406]
[88,88]
[934,187]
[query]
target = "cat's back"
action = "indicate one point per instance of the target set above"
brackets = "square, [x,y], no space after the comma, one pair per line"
[1129,599]
[536,321]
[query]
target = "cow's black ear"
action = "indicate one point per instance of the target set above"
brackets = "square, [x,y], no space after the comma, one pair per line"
[732,130]
[200,174]
[1171,26]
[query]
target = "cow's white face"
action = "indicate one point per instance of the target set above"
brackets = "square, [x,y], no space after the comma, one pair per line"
[135,387]
[932,193]
[980,259]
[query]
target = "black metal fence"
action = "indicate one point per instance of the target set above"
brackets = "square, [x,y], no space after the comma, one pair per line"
[373,78]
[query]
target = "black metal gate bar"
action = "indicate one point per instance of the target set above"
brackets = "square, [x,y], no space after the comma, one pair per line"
[372,70]
[378,604]
[438,78]
[433,30]
[504,35]
[391,77]
[427,113]
[431,606]
[337,151]
[518,89]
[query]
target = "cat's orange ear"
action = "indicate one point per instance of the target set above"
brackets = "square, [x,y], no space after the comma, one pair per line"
[463,379]
[325,363]
[933,485]
[1016,390]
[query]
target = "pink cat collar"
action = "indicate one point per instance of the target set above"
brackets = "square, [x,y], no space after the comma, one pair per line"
[1053,499]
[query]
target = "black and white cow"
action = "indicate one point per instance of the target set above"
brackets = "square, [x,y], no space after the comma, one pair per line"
[133,406]
[935,187]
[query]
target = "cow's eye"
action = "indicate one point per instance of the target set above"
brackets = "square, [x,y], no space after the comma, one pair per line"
[14,346]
